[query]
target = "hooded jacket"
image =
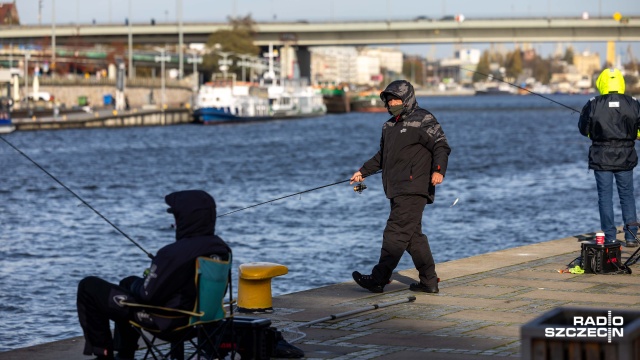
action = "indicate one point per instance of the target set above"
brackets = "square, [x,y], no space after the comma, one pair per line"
[412,147]
[170,282]
[611,121]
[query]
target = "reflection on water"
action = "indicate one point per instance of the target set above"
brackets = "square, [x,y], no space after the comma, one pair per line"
[518,168]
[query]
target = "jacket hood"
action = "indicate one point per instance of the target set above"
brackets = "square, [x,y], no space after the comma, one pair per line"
[401,89]
[194,212]
[610,80]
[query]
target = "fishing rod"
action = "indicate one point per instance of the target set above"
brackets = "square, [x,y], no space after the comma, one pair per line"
[295,328]
[358,188]
[521,88]
[77,196]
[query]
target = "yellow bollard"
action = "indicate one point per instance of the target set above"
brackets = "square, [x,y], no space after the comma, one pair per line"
[254,286]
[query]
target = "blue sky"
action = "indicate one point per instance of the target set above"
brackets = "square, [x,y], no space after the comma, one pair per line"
[104,11]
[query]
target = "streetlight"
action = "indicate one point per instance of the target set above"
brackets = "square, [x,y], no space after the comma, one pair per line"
[53,35]
[130,44]
[180,36]
[162,58]
[256,64]
[224,63]
[195,60]
[244,63]
[26,74]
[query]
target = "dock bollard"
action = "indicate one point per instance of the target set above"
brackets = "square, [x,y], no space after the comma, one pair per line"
[254,285]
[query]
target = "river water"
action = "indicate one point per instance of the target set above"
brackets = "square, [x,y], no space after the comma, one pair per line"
[518,171]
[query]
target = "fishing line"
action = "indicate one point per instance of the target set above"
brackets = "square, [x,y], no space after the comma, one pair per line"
[521,88]
[300,193]
[78,197]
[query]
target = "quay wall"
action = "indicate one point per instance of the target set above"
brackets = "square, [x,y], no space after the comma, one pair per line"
[115,119]
[137,96]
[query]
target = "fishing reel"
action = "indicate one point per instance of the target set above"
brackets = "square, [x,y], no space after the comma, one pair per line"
[359,188]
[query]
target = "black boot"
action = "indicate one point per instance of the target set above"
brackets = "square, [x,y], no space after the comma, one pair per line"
[367,282]
[424,288]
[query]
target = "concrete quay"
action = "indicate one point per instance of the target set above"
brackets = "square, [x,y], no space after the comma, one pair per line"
[107,118]
[483,302]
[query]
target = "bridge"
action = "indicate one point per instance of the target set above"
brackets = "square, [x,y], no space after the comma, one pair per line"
[345,33]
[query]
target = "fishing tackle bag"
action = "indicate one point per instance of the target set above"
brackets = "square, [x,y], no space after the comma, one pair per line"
[601,259]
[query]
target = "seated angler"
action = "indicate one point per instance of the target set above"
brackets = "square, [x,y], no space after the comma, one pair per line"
[169,282]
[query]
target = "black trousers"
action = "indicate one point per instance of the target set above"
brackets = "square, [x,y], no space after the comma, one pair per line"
[404,233]
[97,304]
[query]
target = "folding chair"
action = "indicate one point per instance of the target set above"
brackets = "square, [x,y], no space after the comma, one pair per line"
[208,322]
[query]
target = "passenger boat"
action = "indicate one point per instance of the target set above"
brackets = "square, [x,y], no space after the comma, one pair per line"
[6,126]
[225,100]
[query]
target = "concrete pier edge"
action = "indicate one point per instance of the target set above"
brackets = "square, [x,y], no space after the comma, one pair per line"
[483,302]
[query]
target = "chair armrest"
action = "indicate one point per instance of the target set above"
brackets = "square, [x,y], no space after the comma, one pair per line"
[179,311]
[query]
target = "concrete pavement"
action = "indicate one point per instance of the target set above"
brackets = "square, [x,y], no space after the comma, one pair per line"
[483,302]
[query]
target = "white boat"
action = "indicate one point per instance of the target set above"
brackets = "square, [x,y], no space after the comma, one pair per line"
[293,98]
[6,126]
[494,88]
[225,100]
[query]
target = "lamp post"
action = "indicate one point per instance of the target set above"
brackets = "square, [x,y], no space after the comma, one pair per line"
[26,74]
[130,44]
[162,58]
[244,64]
[255,65]
[53,35]
[224,63]
[195,60]
[180,39]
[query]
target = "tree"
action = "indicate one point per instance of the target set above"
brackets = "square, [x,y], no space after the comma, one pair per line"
[412,68]
[482,69]
[541,70]
[237,40]
[514,63]
[568,55]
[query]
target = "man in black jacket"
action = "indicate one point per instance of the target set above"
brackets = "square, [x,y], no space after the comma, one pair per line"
[413,157]
[611,121]
[169,282]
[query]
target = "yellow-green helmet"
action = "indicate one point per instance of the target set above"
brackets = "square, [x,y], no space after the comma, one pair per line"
[610,80]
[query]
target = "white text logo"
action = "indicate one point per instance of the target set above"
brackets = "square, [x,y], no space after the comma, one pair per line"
[590,326]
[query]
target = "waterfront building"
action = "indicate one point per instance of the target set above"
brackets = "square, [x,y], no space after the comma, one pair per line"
[587,63]
[9,14]
[334,64]
[348,64]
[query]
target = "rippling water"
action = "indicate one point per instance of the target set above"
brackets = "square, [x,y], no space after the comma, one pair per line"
[518,168]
